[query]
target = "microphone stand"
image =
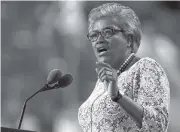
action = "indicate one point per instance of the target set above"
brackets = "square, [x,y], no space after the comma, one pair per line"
[24,106]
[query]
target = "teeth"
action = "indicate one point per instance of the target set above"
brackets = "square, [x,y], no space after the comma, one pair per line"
[102,49]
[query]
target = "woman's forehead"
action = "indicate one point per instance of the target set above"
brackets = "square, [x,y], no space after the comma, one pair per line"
[104,22]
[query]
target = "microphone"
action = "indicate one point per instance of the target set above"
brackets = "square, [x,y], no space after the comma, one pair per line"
[53,78]
[62,82]
[65,80]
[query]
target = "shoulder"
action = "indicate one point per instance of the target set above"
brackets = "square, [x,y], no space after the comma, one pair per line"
[147,63]
[150,68]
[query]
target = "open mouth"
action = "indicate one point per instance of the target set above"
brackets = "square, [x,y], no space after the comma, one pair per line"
[101,49]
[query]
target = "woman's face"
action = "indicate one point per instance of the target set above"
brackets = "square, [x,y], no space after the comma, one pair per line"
[111,50]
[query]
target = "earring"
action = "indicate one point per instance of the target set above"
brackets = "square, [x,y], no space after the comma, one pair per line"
[129,44]
[130,40]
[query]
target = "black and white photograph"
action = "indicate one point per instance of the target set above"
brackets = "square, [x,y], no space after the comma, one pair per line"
[90,66]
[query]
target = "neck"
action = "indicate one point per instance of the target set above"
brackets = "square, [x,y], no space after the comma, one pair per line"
[134,60]
[131,60]
[120,62]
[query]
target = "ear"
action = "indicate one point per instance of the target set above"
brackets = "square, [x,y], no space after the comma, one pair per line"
[130,40]
[131,43]
[135,47]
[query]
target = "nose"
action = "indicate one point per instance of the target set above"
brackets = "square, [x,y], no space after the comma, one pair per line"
[100,38]
[100,42]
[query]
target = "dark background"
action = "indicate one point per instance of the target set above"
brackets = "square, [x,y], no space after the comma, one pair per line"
[38,36]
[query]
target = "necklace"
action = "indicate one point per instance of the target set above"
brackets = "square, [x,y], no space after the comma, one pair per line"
[126,62]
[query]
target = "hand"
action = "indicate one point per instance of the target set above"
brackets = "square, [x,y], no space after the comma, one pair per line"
[108,75]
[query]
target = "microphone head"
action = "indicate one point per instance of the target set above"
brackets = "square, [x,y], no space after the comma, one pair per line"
[54,76]
[65,80]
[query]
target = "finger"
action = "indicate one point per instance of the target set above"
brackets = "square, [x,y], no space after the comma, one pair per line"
[106,78]
[103,70]
[102,64]
[110,73]
[105,85]
[106,72]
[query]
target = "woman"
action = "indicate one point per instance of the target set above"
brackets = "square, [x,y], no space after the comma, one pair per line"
[131,94]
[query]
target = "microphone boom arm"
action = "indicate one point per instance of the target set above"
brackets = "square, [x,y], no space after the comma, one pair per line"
[24,106]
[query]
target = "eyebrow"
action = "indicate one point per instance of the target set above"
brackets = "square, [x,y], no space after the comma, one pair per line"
[110,26]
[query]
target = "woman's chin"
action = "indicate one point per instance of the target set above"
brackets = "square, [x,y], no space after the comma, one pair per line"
[104,59]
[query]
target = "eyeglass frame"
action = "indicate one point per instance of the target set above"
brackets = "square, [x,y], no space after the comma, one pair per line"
[100,32]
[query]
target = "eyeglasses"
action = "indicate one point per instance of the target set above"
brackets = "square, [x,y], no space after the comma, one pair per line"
[105,33]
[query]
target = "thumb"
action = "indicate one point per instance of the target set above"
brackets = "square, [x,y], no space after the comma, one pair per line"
[96,70]
[106,85]
[112,89]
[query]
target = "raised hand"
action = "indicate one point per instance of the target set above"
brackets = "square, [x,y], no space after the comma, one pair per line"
[108,76]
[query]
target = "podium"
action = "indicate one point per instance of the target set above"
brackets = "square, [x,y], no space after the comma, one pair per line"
[5,129]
